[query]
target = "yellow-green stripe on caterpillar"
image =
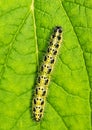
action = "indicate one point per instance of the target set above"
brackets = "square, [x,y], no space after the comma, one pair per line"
[43,79]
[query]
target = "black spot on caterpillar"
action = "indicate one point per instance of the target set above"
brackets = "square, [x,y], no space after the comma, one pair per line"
[46,68]
[43,79]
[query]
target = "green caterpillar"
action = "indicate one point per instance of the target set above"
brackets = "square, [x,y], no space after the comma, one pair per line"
[43,79]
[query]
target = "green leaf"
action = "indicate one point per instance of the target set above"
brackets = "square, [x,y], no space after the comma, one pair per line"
[25,29]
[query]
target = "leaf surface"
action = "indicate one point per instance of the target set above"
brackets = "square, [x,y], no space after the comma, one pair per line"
[25,29]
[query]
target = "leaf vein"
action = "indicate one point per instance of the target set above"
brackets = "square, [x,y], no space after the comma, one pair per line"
[11,44]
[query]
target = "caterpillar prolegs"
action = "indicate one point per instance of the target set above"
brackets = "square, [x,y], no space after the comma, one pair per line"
[43,79]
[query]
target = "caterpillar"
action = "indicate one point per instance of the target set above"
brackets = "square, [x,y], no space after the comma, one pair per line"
[43,79]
